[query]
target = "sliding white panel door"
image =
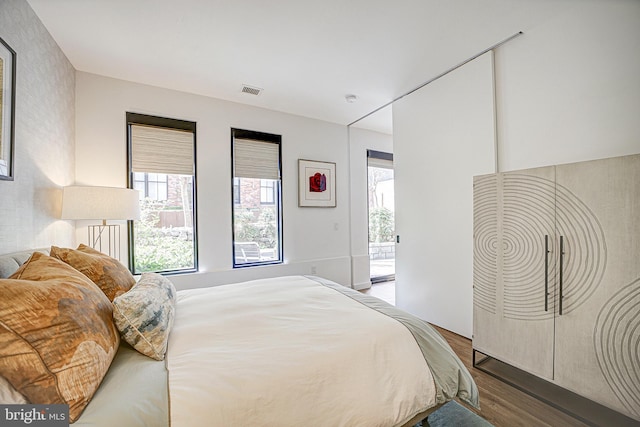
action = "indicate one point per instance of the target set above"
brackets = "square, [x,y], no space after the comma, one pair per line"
[444,134]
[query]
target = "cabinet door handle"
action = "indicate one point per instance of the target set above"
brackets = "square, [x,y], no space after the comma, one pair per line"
[561,271]
[546,272]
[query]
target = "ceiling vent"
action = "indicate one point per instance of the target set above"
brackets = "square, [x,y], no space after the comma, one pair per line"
[251,90]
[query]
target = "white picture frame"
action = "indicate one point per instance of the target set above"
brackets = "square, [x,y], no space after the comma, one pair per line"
[316,184]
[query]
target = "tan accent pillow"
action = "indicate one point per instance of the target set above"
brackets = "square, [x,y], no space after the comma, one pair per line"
[57,337]
[108,273]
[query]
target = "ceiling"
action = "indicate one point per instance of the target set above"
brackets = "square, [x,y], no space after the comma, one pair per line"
[305,55]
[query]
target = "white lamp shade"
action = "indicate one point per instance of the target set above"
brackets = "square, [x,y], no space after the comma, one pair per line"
[83,202]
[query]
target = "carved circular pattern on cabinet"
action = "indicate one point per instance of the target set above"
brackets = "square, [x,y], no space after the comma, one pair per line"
[585,257]
[485,241]
[529,213]
[617,345]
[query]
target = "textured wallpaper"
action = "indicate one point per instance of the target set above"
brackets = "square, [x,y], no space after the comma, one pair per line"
[44,136]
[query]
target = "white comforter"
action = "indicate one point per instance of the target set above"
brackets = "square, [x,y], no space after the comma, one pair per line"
[291,352]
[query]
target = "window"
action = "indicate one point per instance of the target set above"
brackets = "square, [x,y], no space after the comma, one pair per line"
[382,246]
[267,192]
[257,201]
[161,165]
[151,185]
[236,191]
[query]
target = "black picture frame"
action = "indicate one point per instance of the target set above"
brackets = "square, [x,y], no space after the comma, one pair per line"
[7,110]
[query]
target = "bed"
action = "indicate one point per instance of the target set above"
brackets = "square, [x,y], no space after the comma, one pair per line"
[286,351]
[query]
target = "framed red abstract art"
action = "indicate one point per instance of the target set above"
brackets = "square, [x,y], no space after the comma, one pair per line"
[316,184]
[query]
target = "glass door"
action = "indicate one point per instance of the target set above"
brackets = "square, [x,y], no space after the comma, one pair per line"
[382,247]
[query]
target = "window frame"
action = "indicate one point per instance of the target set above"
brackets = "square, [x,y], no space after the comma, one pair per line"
[385,158]
[267,138]
[175,124]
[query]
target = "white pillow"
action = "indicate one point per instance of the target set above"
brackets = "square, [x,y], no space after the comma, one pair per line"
[9,395]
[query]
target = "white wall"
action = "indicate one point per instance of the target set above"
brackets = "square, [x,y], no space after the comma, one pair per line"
[313,237]
[567,90]
[44,135]
[443,135]
[361,140]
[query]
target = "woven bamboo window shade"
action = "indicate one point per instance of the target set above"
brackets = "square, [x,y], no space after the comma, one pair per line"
[380,163]
[256,159]
[162,150]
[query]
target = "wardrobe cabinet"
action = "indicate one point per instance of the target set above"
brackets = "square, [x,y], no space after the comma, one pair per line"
[557,276]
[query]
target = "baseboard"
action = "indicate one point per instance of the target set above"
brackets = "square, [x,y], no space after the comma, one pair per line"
[382,279]
[579,407]
[362,285]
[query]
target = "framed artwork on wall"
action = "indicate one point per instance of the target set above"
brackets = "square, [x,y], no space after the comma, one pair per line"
[316,184]
[7,109]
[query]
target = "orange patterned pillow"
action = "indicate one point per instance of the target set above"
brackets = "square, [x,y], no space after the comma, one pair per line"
[108,273]
[57,337]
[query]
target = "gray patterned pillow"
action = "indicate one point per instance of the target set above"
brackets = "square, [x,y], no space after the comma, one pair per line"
[144,315]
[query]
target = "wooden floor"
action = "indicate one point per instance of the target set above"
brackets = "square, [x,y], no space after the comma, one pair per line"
[501,404]
[386,291]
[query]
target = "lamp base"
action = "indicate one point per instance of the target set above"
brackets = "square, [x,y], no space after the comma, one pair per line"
[106,239]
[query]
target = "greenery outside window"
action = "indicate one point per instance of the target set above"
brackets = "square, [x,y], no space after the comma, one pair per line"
[257,199]
[161,165]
